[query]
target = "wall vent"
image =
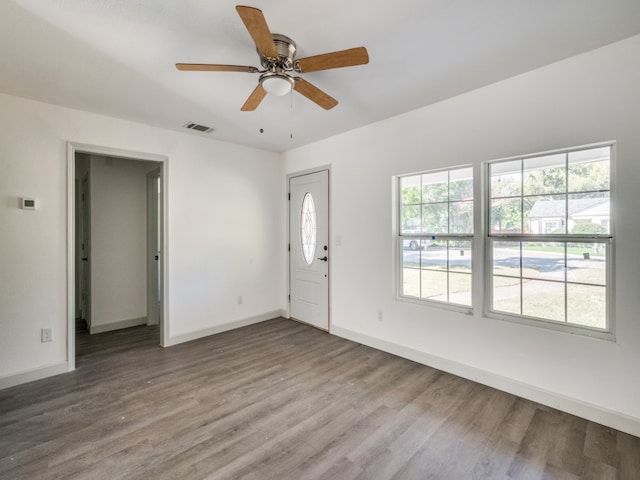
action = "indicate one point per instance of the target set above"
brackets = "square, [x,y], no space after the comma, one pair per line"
[198,128]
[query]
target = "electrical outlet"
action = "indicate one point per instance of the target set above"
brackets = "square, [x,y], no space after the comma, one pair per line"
[239,299]
[46,335]
[379,315]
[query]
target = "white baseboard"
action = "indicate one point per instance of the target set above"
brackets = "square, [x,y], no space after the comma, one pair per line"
[186,337]
[108,327]
[574,406]
[32,375]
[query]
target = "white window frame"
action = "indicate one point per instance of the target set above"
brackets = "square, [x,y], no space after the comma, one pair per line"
[607,333]
[400,237]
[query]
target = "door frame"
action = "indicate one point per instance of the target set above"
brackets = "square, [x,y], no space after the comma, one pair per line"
[301,173]
[72,149]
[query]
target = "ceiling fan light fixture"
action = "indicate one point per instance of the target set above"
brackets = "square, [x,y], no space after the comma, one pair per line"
[277,84]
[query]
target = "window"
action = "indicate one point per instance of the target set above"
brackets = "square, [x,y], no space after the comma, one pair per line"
[549,239]
[308,228]
[435,236]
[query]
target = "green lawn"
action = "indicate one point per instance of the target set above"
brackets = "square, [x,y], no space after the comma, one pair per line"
[585,304]
[560,249]
[432,284]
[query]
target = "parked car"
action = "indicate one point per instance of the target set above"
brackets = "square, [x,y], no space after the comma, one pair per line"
[414,243]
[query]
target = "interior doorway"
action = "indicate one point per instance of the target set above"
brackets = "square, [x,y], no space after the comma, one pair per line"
[116,255]
[83,245]
[154,223]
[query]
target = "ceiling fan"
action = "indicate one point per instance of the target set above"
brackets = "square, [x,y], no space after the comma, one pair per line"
[277,56]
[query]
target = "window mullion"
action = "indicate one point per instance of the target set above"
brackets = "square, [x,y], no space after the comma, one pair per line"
[566,285]
[521,198]
[566,199]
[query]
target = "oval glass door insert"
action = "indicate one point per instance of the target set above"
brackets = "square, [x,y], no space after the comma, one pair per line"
[308,228]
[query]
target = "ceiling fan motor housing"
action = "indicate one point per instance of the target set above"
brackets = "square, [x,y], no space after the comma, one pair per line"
[286,52]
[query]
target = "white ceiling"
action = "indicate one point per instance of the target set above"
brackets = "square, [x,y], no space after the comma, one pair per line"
[116,57]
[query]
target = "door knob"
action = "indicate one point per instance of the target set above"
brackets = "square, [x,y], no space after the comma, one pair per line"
[324,259]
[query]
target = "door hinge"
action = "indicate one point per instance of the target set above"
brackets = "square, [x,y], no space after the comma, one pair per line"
[289,196]
[288,247]
[289,298]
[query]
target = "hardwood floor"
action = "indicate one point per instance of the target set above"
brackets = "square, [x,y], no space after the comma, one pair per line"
[281,400]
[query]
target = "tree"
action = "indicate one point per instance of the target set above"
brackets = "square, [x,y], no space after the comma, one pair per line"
[517,186]
[437,203]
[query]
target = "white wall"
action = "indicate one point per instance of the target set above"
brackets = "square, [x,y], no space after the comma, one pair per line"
[118,242]
[586,99]
[225,230]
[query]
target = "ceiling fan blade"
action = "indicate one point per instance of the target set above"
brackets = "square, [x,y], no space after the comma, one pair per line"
[257,26]
[208,67]
[314,94]
[254,99]
[342,58]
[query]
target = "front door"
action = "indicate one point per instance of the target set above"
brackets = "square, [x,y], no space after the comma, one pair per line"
[309,248]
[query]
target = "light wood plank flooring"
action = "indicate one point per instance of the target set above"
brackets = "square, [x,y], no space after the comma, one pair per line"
[281,400]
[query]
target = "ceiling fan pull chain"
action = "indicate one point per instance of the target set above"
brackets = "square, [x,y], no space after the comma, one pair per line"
[291,115]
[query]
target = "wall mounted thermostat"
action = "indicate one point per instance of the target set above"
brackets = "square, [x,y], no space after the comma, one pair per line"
[28,203]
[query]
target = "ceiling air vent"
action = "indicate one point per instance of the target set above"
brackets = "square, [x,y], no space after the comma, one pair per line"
[198,128]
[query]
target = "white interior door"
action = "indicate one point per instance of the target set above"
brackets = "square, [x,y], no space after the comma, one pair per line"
[154,210]
[85,253]
[309,248]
